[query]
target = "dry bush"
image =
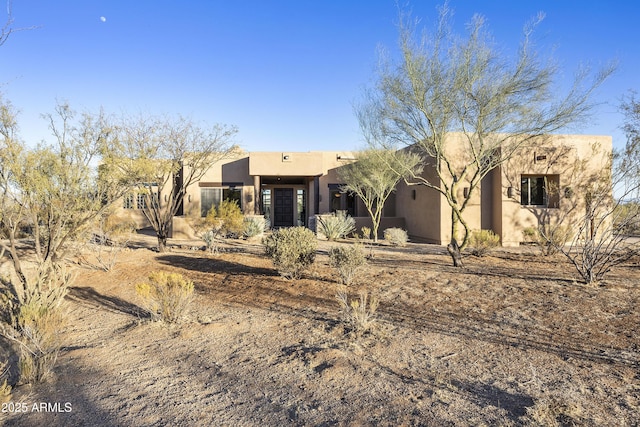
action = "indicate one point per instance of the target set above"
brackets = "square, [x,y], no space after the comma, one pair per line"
[547,238]
[40,342]
[554,412]
[366,233]
[166,296]
[482,242]
[227,220]
[112,235]
[292,250]
[358,313]
[347,260]
[336,225]
[5,388]
[396,236]
[34,318]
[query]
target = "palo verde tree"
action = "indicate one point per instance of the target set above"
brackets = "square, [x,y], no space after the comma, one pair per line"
[374,176]
[444,83]
[48,195]
[52,190]
[160,157]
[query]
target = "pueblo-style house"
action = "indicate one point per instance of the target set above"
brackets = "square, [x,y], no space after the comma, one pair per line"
[293,188]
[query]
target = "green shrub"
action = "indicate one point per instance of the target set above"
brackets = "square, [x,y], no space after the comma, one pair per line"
[292,250]
[227,220]
[396,236]
[254,226]
[220,223]
[483,241]
[347,260]
[336,225]
[166,296]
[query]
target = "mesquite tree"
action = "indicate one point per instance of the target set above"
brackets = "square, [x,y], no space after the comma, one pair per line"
[160,158]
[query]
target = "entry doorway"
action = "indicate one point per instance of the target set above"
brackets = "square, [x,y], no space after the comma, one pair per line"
[282,207]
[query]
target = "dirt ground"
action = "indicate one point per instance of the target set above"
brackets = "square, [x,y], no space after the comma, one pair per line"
[509,339]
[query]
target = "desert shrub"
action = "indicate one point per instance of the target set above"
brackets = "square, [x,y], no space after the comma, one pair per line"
[39,326]
[547,238]
[166,295]
[227,220]
[220,223]
[483,241]
[396,236]
[336,225]
[292,250]
[254,226]
[34,318]
[5,388]
[106,241]
[347,260]
[210,241]
[366,233]
[358,313]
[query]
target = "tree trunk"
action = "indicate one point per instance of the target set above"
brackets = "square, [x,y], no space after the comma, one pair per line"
[162,243]
[454,250]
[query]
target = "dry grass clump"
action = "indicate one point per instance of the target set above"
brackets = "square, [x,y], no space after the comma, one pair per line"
[292,250]
[396,236]
[554,412]
[358,313]
[166,296]
[483,241]
[348,261]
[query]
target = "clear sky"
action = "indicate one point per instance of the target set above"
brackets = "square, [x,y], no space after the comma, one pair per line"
[285,72]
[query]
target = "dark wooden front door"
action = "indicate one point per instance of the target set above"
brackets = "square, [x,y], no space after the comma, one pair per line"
[283,207]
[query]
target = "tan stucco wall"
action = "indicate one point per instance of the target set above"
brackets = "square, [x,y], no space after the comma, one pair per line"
[575,158]
[232,170]
[423,211]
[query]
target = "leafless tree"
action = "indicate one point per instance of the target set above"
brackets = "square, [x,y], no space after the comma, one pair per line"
[161,157]
[8,28]
[608,209]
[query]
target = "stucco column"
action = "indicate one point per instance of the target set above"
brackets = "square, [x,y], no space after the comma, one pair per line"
[316,195]
[257,203]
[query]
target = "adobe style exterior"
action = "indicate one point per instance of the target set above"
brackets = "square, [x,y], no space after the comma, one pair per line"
[292,188]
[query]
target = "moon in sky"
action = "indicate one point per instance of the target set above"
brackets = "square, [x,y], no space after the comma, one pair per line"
[103,19]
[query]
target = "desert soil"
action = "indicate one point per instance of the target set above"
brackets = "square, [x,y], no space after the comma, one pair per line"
[509,339]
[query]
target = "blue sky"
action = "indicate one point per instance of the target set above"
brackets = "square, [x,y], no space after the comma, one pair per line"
[285,72]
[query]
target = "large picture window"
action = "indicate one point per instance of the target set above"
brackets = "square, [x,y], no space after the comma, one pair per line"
[539,190]
[341,201]
[213,196]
